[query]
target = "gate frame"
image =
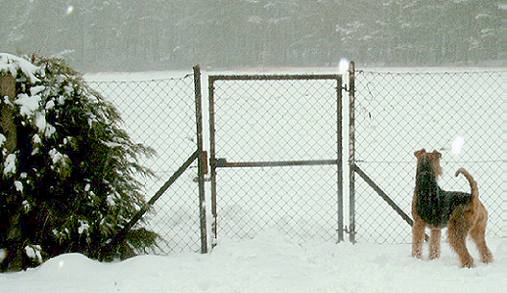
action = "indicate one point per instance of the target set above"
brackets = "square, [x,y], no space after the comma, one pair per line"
[215,163]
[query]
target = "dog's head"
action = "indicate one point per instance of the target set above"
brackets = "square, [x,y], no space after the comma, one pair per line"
[433,158]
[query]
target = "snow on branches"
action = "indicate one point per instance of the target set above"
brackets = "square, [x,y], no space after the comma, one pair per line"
[68,182]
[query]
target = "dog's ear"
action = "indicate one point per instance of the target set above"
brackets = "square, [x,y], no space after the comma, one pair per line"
[419,153]
[437,154]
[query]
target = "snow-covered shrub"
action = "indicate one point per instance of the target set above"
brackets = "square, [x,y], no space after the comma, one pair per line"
[68,185]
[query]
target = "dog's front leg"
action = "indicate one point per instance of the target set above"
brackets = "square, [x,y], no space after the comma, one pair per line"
[435,243]
[417,238]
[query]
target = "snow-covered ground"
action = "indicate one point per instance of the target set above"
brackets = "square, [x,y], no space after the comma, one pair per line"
[270,262]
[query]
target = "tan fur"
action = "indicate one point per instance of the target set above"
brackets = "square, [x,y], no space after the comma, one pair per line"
[470,219]
[473,185]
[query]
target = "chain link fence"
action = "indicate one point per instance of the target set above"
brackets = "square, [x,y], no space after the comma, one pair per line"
[276,150]
[397,113]
[160,113]
[274,146]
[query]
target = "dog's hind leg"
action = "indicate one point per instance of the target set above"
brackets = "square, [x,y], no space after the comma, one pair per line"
[477,233]
[457,231]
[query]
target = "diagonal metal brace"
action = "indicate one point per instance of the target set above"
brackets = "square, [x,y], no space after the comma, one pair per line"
[385,197]
[120,236]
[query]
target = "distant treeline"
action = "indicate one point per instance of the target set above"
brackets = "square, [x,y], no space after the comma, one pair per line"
[98,35]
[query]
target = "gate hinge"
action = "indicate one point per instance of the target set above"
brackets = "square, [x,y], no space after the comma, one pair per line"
[220,162]
[348,231]
[206,179]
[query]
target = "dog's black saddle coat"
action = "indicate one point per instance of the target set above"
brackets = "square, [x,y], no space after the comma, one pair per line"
[435,205]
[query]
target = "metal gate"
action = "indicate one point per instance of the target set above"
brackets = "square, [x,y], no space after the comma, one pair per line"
[276,155]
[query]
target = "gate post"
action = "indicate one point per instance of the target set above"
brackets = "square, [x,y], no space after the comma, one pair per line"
[352,154]
[200,159]
[212,158]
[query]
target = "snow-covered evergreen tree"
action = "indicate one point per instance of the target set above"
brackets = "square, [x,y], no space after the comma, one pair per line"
[69,184]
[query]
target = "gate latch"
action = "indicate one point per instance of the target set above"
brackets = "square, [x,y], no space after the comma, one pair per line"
[204,160]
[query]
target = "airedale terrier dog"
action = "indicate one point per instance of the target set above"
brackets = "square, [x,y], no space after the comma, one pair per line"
[462,213]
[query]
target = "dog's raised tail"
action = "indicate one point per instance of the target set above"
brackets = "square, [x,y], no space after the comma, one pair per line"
[471,181]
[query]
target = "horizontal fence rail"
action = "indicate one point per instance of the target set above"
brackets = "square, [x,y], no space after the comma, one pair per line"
[222,163]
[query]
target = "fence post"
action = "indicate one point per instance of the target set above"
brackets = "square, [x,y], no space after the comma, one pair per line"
[200,158]
[8,89]
[352,150]
[339,153]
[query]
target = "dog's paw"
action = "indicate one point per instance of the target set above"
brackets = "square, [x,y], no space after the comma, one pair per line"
[487,257]
[467,263]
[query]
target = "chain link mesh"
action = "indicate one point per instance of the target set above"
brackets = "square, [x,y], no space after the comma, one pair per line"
[161,114]
[276,120]
[296,120]
[398,113]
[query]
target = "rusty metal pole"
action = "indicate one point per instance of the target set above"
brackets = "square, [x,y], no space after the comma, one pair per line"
[8,90]
[213,170]
[200,162]
[352,152]
[339,155]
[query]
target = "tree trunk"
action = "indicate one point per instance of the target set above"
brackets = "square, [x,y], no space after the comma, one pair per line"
[7,94]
